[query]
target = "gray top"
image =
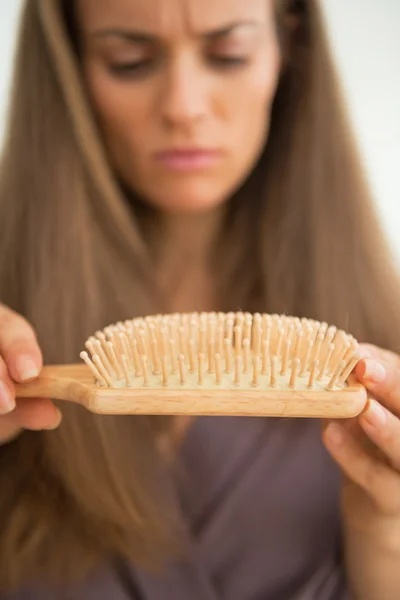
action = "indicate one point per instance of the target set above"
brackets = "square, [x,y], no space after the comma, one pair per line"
[261,497]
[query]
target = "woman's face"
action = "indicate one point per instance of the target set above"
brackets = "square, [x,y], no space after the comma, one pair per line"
[182,91]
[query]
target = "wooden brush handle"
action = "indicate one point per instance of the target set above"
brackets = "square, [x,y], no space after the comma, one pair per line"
[56,382]
[74,383]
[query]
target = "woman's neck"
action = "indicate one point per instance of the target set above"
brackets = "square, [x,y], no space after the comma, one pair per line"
[184,245]
[190,235]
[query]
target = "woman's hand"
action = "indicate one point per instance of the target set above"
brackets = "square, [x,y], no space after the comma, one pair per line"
[20,360]
[368,448]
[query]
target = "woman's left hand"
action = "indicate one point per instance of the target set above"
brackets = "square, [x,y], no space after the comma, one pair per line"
[367,448]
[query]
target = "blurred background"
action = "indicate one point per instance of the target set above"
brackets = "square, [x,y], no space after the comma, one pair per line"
[366,40]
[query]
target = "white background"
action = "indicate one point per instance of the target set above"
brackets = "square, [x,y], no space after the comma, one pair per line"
[366,39]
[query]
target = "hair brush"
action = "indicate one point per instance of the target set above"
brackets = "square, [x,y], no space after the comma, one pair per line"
[211,364]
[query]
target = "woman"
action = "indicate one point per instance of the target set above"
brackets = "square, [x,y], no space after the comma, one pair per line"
[194,157]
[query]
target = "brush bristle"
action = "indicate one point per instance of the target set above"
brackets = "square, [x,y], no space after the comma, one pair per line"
[221,350]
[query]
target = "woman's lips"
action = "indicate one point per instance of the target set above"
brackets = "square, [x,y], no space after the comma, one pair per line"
[188,159]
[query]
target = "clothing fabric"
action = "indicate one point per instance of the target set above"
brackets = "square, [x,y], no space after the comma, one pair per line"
[261,499]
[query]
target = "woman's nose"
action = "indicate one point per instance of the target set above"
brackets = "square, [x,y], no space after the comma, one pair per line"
[184,100]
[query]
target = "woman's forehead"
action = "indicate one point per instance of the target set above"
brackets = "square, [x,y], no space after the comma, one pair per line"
[195,17]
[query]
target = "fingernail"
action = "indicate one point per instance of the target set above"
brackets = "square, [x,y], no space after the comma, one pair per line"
[57,423]
[374,371]
[6,401]
[375,415]
[335,434]
[27,368]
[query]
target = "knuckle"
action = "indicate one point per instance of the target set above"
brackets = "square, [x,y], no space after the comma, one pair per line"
[393,390]
[391,453]
[388,498]
[380,484]
[374,476]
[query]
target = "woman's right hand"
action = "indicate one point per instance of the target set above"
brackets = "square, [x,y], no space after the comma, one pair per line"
[20,361]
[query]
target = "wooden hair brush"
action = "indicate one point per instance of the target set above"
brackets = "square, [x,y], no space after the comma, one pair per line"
[211,364]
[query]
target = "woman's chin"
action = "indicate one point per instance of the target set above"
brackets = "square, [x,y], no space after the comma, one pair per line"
[187,203]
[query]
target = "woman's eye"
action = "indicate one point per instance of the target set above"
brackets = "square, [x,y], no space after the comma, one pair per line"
[227,61]
[141,68]
[132,68]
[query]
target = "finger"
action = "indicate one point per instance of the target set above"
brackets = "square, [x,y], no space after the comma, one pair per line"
[371,351]
[374,476]
[382,380]
[353,429]
[37,413]
[7,390]
[30,413]
[383,428]
[18,346]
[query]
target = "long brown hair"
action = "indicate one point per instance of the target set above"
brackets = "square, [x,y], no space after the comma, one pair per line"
[74,258]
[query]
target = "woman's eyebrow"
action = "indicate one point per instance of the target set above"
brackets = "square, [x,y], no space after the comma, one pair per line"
[230,28]
[139,36]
